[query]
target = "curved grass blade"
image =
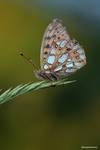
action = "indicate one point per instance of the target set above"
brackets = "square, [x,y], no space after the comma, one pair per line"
[25,88]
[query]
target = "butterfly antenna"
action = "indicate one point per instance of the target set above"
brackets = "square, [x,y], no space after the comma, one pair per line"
[27,59]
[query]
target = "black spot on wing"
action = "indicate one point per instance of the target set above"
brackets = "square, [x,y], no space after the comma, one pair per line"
[47,46]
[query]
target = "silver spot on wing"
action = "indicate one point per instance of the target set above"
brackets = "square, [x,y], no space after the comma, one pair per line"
[51,59]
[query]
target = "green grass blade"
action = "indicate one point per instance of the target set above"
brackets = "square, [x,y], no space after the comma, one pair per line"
[25,88]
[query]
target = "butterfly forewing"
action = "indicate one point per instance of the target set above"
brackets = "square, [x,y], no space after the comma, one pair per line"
[54,34]
[60,54]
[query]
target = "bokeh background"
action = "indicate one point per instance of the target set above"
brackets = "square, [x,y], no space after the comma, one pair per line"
[61,118]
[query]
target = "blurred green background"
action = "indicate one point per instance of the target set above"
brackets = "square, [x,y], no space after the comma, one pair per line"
[61,118]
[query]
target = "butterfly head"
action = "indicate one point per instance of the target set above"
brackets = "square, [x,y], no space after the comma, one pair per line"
[39,74]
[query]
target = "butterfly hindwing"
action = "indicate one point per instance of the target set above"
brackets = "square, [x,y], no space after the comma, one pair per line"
[74,61]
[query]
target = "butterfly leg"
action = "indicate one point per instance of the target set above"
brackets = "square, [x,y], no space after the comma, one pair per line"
[50,77]
[54,77]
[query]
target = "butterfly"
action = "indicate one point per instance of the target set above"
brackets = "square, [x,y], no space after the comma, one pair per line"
[60,55]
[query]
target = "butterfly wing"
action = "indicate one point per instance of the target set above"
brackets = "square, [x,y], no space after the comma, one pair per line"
[75,60]
[53,35]
[60,54]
